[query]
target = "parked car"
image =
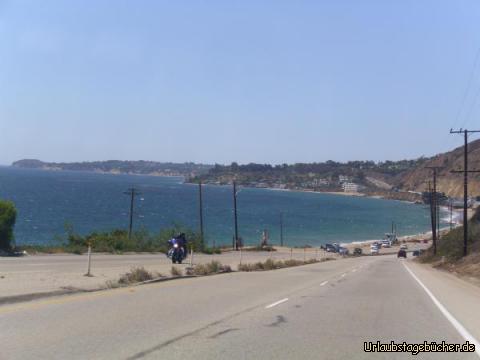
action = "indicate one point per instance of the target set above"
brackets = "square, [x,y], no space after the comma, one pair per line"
[342,250]
[357,251]
[386,243]
[403,247]
[402,253]
[374,250]
[330,248]
[416,253]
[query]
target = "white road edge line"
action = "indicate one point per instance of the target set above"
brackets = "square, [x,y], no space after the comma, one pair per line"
[324,283]
[276,303]
[456,324]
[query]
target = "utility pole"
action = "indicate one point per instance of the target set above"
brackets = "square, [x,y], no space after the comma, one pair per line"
[200,210]
[451,214]
[434,208]
[235,215]
[281,228]
[465,172]
[132,192]
[432,217]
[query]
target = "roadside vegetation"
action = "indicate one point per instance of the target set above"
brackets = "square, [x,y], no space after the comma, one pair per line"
[450,250]
[213,267]
[8,216]
[134,276]
[117,241]
[271,264]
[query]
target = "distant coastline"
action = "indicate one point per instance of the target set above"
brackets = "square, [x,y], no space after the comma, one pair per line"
[116,167]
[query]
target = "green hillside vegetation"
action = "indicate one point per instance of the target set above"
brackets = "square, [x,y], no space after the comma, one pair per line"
[117,241]
[450,250]
[315,176]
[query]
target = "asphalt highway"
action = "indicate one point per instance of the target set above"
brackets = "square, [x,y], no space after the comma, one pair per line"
[319,311]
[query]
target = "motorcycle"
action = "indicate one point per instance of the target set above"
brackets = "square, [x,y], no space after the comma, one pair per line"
[176,253]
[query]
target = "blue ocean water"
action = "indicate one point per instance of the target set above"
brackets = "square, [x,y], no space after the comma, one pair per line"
[46,200]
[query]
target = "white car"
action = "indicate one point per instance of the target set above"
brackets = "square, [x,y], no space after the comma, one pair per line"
[386,244]
[403,247]
[374,250]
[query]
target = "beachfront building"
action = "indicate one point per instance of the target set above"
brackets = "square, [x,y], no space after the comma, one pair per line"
[344,178]
[350,187]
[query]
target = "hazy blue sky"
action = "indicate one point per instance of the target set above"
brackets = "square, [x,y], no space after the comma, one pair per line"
[247,81]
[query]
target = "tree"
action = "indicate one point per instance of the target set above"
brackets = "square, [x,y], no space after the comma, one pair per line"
[8,215]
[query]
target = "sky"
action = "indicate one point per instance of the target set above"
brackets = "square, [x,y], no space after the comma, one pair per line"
[246,81]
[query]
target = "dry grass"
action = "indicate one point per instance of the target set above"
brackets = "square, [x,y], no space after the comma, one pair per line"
[271,264]
[135,275]
[176,271]
[213,267]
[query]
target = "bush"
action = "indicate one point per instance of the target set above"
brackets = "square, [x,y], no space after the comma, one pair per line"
[271,264]
[136,274]
[210,251]
[176,271]
[8,216]
[260,248]
[213,267]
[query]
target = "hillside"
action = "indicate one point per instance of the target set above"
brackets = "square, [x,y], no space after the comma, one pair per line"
[450,250]
[389,179]
[120,167]
[451,184]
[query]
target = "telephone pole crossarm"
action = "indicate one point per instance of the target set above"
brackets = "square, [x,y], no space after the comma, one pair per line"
[465,172]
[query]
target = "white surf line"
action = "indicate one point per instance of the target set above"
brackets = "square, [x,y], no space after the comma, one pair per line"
[456,324]
[276,303]
[324,283]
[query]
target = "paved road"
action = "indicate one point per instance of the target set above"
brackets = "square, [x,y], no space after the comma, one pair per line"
[47,273]
[332,308]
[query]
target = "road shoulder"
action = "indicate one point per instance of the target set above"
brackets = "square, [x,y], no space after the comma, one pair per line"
[459,297]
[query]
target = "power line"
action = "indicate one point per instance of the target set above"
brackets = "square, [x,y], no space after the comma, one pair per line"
[465,172]
[467,89]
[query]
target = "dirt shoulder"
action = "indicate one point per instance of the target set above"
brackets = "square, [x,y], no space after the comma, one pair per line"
[63,273]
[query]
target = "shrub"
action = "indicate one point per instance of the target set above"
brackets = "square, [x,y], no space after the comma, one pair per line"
[260,248]
[271,264]
[176,271]
[213,267]
[8,216]
[136,274]
[210,251]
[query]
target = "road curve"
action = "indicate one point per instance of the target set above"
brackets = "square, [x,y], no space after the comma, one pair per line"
[319,311]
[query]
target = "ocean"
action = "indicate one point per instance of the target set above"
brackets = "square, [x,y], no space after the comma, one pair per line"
[46,200]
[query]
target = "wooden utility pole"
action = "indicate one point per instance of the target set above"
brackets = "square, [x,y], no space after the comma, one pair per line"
[132,192]
[434,208]
[451,214]
[465,172]
[200,213]
[281,228]
[235,215]
[432,218]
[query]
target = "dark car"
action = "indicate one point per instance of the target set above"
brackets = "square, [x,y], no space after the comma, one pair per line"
[402,253]
[357,251]
[416,253]
[330,248]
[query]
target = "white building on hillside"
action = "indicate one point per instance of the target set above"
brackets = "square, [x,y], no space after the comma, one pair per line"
[350,187]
